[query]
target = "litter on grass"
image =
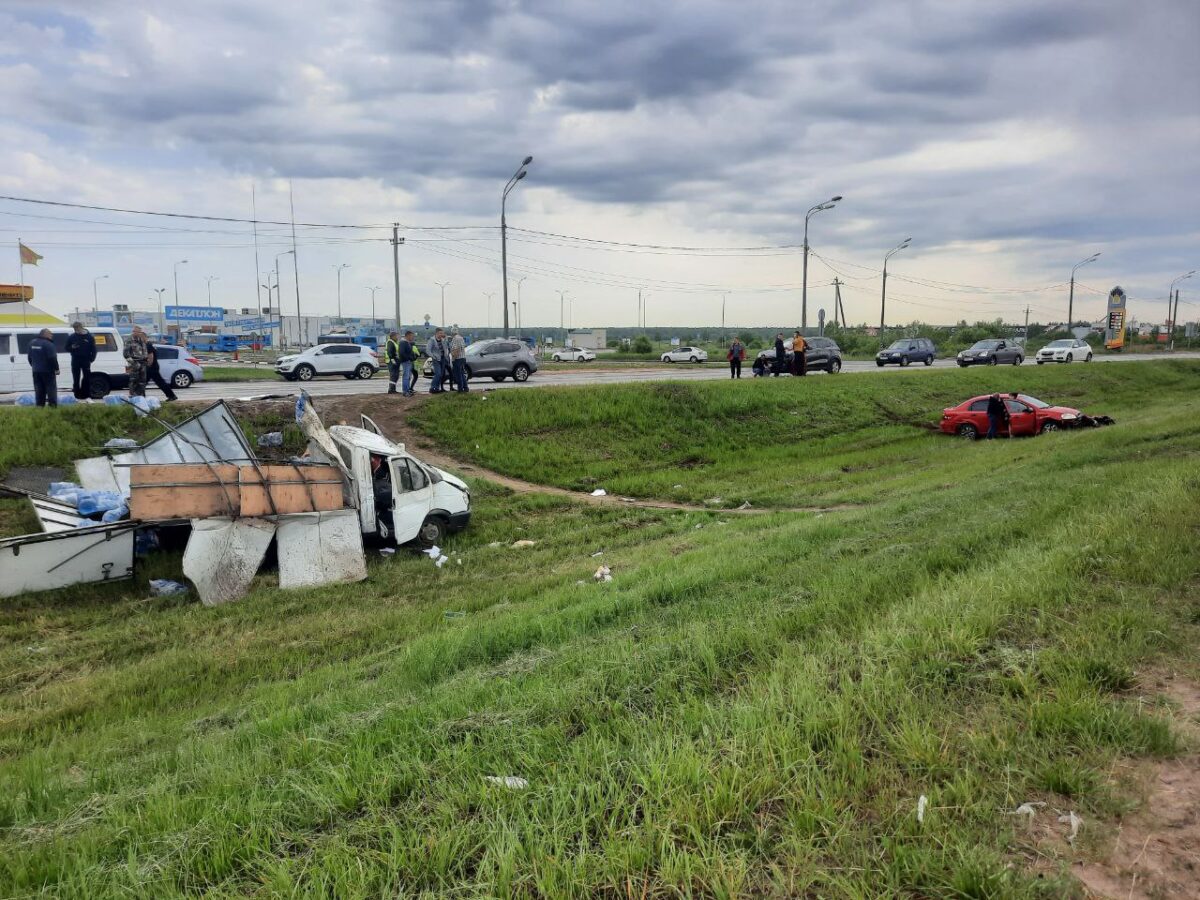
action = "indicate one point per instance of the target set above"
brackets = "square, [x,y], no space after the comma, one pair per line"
[922,805]
[453,614]
[164,587]
[599,492]
[1074,821]
[120,444]
[603,574]
[513,782]
[524,543]
[271,439]
[713,501]
[1028,810]
[745,505]
[388,551]
[597,553]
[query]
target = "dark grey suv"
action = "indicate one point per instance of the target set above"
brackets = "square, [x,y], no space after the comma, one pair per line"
[497,359]
[820,354]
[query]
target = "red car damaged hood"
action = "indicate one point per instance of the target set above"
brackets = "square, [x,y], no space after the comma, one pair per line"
[1059,411]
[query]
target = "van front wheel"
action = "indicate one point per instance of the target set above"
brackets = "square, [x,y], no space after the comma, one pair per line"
[98,386]
[433,532]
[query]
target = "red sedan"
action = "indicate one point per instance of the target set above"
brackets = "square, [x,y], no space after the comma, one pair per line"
[1026,416]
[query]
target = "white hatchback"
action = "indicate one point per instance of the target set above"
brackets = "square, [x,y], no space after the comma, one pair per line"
[685,354]
[1064,351]
[348,360]
[573,354]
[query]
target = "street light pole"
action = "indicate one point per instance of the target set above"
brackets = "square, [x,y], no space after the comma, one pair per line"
[512,183]
[279,296]
[561,321]
[339,288]
[828,204]
[723,296]
[210,279]
[1171,290]
[160,292]
[883,296]
[96,295]
[443,285]
[517,306]
[176,269]
[1071,299]
[373,290]
[490,295]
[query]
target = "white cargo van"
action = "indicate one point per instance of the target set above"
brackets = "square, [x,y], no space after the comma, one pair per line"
[108,371]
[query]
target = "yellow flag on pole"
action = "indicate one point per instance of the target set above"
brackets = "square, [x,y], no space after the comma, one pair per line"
[28,257]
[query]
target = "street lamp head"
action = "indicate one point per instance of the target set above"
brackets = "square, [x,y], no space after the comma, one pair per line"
[181,262]
[521,174]
[528,160]
[835,199]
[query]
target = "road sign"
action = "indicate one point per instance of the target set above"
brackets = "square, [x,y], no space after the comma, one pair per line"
[208,315]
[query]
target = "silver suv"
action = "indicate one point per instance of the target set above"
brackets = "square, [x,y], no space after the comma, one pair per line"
[498,359]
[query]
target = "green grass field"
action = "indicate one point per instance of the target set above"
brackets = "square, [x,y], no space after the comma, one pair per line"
[751,708]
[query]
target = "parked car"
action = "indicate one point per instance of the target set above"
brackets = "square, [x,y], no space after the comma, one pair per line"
[991,353]
[498,359]
[108,369]
[822,354]
[908,350]
[685,354]
[178,367]
[573,354]
[1064,351]
[348,360]
[1027,416]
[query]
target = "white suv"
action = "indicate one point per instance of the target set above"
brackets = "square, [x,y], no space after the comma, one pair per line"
[685,354]
[349,360]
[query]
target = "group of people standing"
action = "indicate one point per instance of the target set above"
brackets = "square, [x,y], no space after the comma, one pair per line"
[798,365]
[140,362]
[448,355]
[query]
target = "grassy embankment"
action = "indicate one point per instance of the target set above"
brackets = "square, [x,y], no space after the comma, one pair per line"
[753,705]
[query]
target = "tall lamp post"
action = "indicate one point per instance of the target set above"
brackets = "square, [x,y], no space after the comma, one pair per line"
[828,204]
[160,292]
[96,295]
[517,306]
[373,290]
[1071,298]
[443,285]
[490,295]
[210,279]
[279,295]
[512,183]
[561,321]
[883,296]
[1170,291]
[339,289]
[176,269]
[723,296]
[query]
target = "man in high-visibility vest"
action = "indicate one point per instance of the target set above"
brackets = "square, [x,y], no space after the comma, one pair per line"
[392,355]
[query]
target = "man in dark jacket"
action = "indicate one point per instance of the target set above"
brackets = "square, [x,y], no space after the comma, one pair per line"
[43,359]
[155,374]
[780,355]
[408,359]
[392,356]
[82,347]
[997,412]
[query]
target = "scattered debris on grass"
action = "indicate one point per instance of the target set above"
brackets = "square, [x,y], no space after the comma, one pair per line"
[1028,810]
[1074,821]
[513,782]
[745,505]
[524,543]
[922,805]
[388,551]
[165,587]
[597,553]
[453,614]
[603,574]
[599,492]
[271,439]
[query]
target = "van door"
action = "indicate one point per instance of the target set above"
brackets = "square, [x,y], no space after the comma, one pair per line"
[8,360]
[412,495]
[368,424]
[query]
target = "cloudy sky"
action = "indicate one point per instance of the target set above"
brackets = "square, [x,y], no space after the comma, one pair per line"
[1010,139]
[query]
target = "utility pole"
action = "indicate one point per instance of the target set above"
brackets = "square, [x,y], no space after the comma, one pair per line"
[1025,340]
[1174,320]
[295,269]
[561,321]
[723,296]
[837,303]
[517,306]
[396,242]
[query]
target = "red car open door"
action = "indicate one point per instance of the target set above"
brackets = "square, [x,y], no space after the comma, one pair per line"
[1022,418]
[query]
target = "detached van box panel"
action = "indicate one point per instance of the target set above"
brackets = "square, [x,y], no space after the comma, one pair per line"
[199,491]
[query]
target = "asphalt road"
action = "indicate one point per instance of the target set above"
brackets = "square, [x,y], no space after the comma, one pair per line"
[585,375]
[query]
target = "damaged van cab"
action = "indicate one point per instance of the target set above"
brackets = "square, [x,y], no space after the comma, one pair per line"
[397,496]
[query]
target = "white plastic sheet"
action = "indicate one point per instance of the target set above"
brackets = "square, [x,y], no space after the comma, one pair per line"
[223,555]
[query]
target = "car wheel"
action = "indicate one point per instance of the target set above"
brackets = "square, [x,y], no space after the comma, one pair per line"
[521,373]
[556,358]
[968,431]
[1070,357]
[467,372]
[929,360]
[694,359]
[498,377]
[1017,360]
[835,366]
[98,386]
[992,361]
[1088,358]
[1041,361]
[433,532]
[305,373]
[878,364]
[962,365]
[904,361]
[1049,425]
[364,371]
[181,379]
